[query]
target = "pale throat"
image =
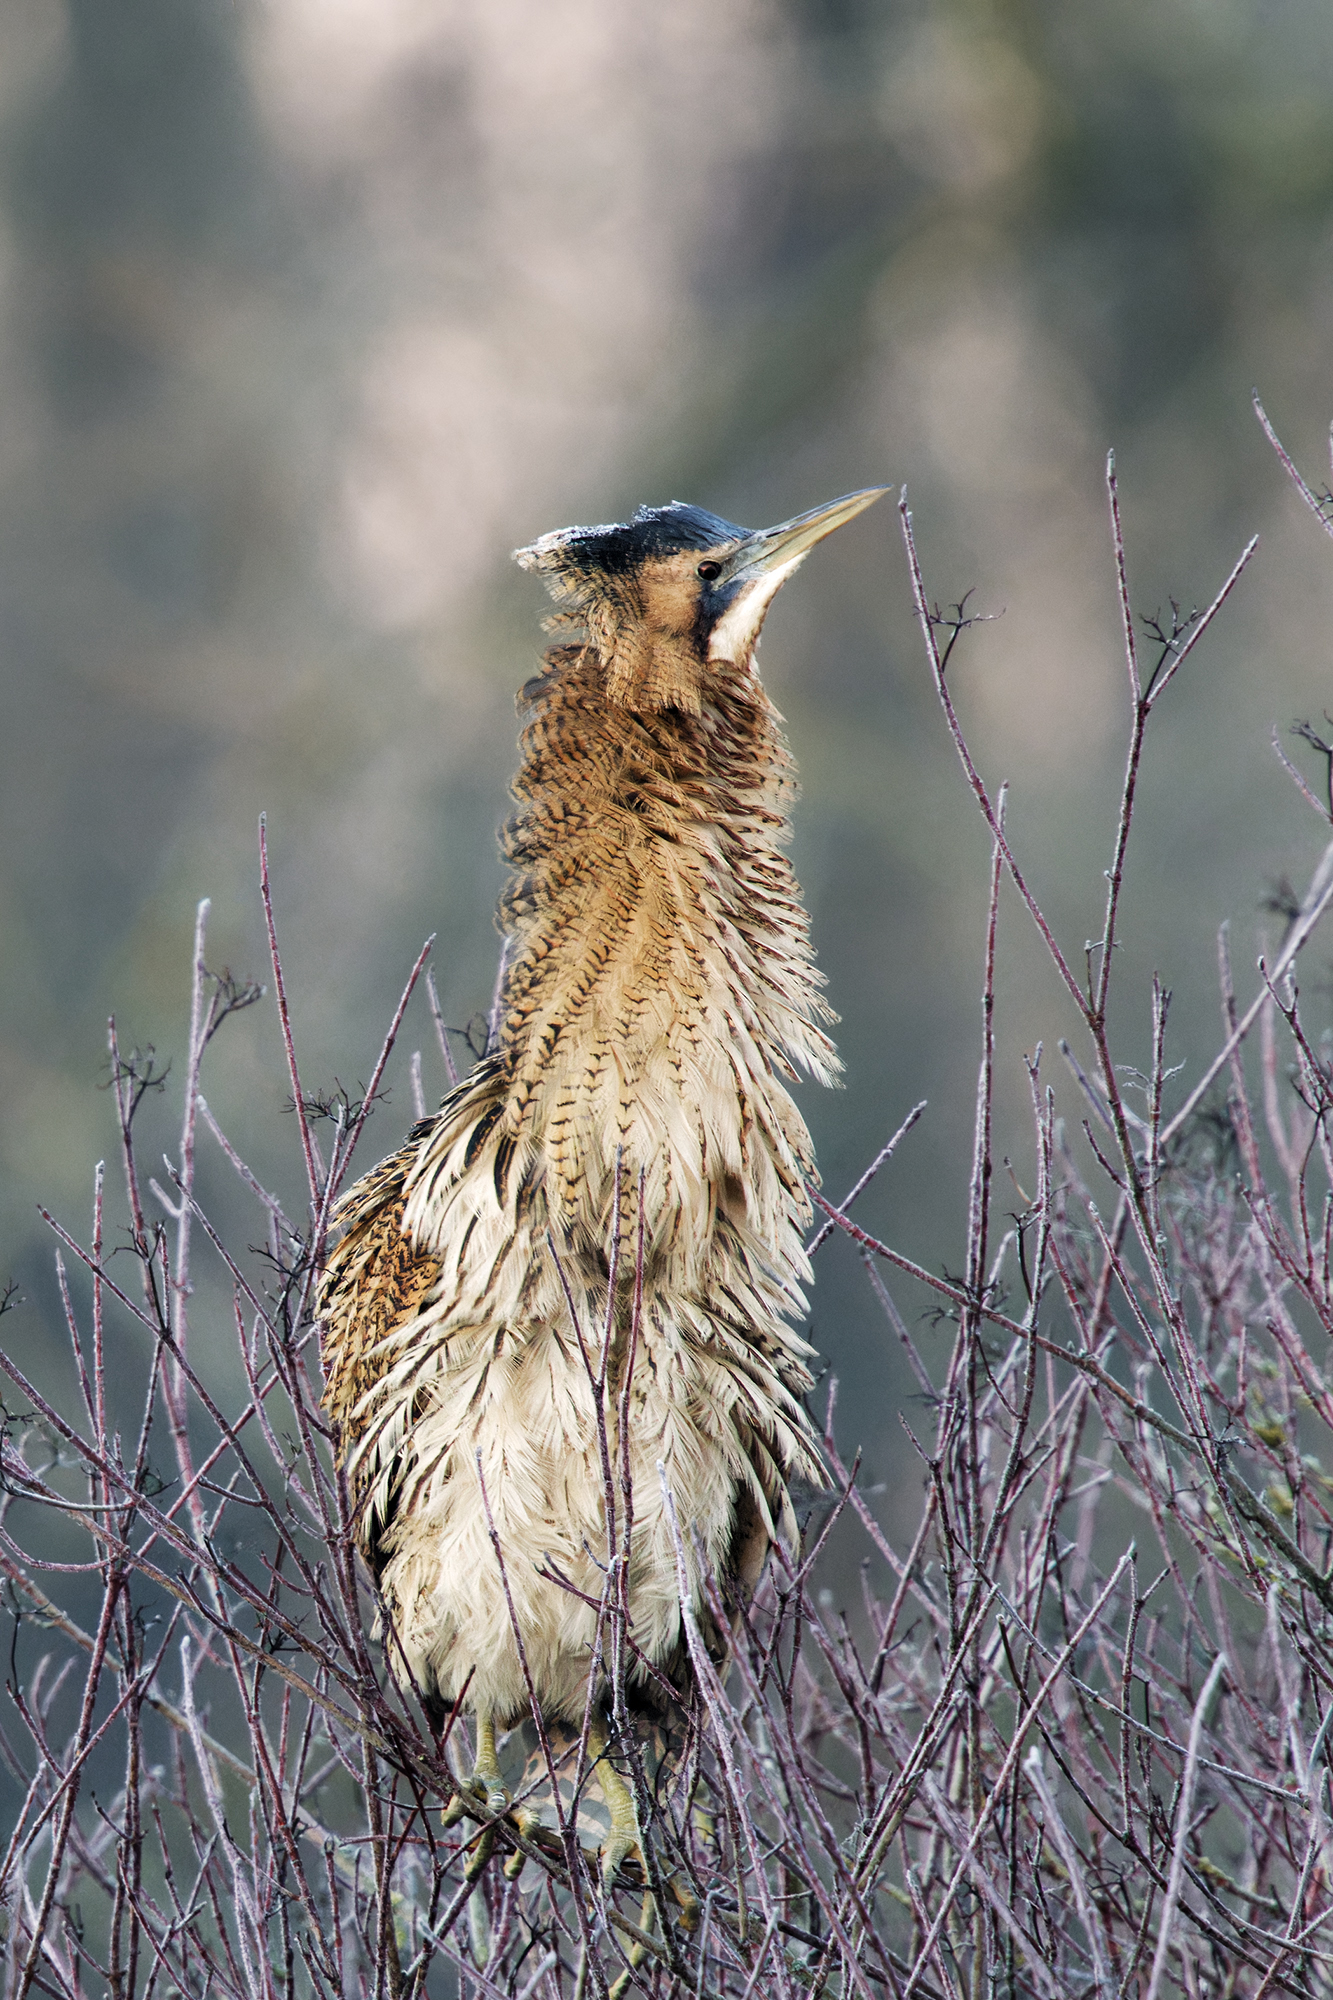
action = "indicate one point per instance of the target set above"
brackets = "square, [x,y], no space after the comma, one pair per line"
[736,633]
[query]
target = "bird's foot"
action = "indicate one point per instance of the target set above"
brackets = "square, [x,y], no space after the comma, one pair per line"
[485,1787]
[623,1841]
[622,1844]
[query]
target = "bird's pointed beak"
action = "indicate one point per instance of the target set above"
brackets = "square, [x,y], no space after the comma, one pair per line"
[783,547]
[758,567]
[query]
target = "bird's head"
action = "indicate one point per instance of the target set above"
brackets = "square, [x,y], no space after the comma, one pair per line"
[676,589]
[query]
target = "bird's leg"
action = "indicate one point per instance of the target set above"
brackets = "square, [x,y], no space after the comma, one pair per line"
[485,1783]
[486,1777]
[624,1837]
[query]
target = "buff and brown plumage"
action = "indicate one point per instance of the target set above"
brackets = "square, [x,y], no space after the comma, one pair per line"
[657,991]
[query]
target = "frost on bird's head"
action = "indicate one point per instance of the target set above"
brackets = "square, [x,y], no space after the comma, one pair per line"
[575,562]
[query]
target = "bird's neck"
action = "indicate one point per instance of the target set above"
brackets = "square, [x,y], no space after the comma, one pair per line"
[658,968]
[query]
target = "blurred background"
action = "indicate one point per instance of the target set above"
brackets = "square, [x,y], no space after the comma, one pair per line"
[311,310]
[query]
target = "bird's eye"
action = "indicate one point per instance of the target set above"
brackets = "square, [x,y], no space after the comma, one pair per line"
[708,570]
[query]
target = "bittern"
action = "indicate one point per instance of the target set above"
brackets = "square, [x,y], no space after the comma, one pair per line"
[657,992]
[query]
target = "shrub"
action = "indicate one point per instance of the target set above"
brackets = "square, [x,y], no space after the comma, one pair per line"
[1050,1763]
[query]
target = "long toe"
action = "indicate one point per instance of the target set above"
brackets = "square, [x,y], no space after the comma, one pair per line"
[528,1826]
[456,1810]
[687,1902]
[480,1854]
[638,1952]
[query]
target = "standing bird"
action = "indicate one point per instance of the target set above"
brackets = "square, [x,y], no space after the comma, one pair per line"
[657,986]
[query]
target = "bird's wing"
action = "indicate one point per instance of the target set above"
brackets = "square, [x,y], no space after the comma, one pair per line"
[374,1282]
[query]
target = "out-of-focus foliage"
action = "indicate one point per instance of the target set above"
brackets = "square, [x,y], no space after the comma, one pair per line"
[311,309]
